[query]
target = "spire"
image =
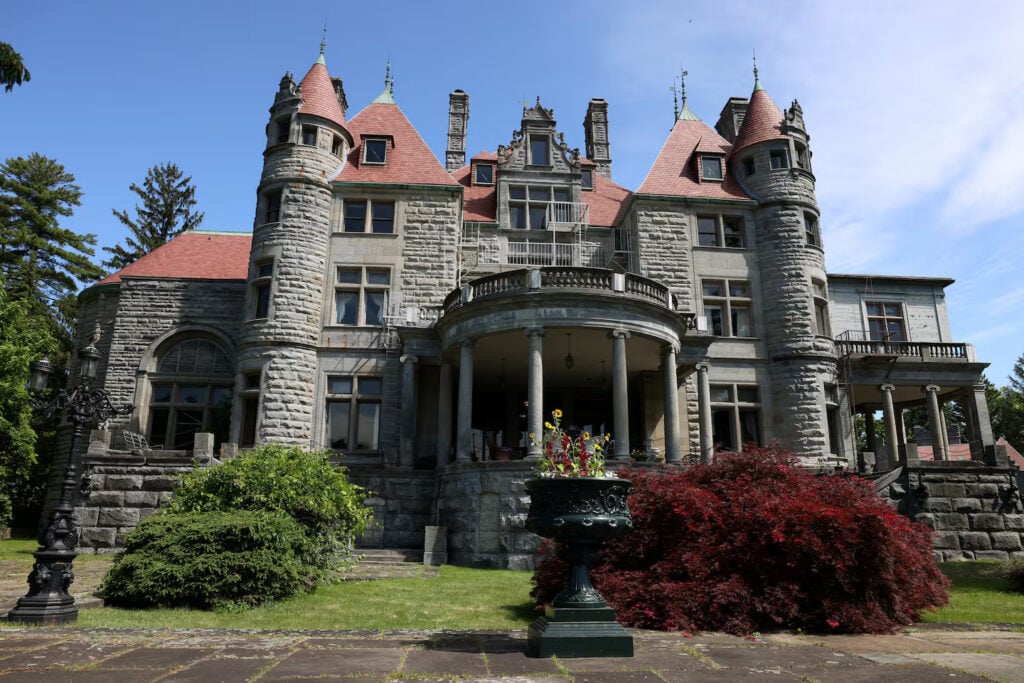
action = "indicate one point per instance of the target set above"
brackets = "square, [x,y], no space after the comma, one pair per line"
[387,96]
[757,82]
[319,97]
[323,44]
[684,114]
[762,120]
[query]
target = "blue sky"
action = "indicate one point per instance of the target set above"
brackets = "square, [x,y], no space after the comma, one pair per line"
[915,109]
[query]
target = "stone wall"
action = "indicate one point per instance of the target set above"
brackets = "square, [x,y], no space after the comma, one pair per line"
[402,504]
[665,249]
[971,507]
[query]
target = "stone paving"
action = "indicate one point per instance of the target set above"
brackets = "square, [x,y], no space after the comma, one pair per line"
[203,656]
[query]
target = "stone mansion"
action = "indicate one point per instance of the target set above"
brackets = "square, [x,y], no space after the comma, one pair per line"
[423,318]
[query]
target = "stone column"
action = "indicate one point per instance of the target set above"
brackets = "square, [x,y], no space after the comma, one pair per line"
[980,425]
[444,415]
[891,438]
[535,392]
[410,395]
[673,454]
[944,429]
[707,443]
[464,428]
[620,396]
[902,426]
[935,421]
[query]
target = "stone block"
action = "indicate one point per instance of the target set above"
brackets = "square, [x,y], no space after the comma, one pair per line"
[132,482]
[117,517]
[975,540]
[948,540]
[1006,540]
[141,499]
[946,490]
[160,482]
[949,521]
[987,521]
[1014,522]
[202,444]
[87,516]
[983,490]
[991,555]
[98,538]
[146,512]
[110,499]
[938,505]
[967,505]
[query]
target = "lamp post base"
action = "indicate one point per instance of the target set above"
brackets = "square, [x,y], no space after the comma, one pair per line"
[578,632]
[48,601]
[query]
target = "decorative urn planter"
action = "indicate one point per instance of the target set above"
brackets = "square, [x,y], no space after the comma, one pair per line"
[581,513]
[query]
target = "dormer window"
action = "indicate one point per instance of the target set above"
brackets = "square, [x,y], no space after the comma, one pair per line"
[375,151]
[587,179]
[484,174]
[777,158]
[540,150]
[710,168]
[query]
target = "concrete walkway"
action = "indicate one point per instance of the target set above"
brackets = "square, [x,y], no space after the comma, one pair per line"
[142,656]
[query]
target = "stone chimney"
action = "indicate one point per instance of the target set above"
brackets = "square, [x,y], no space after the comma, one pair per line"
[595,130]
[458,118]
[731,118]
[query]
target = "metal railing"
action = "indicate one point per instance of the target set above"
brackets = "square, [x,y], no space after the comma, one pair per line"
[855,342]
[542,254]
[567,214]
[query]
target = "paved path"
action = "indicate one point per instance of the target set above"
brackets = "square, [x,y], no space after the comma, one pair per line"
[144,656]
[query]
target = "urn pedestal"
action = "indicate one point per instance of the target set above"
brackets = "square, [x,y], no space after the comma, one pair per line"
[581,514]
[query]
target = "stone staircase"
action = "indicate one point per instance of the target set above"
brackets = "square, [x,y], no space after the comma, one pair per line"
[390,563]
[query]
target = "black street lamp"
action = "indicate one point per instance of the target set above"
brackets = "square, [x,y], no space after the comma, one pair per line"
[48,601]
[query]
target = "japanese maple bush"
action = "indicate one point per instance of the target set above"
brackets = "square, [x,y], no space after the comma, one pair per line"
[754,542]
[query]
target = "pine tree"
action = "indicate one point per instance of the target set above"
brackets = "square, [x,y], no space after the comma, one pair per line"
[12,68]
[168,198]
[41,262]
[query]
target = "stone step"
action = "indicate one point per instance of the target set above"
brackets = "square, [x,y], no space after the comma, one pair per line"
[390,556]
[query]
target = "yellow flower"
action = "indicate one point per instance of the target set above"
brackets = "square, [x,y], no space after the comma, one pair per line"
[557,413]
[547,425]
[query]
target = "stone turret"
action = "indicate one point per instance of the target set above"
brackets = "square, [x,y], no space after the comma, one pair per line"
[307,142]
[767,158]
[595,129]
[458,119]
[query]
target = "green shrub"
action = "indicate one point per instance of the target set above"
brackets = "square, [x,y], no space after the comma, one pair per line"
[6,510]
[301,484]
[1013,571]
[210,560]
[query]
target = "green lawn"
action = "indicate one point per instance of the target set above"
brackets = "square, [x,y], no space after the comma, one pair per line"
[979,595]
[22,549]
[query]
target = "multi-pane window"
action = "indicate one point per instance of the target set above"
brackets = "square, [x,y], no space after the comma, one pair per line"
[261,288]
[540,150]
[777,158]
[190,393]
[735,416]
[361,295]
[812,231]
[484,174]
[727,307]
[528,204]
[375,151]
[803,157]
[272,206]
[361,215]
[353,412]
[250,408]
[820,296]
[309,135]
[885,321]
[720,231]
[336,146]
[587,179]
[710,168]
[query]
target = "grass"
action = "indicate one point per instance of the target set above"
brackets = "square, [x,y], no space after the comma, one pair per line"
[979,595]
[22,549]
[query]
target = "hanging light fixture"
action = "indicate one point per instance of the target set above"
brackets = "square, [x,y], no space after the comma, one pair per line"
[569,360]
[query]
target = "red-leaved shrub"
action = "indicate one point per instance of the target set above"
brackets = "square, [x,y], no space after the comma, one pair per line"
[753,543]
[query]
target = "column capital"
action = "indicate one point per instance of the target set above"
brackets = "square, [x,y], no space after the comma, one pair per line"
[888,388]
[409,358]
[931,388]
[535,331]
[703,367]
[618,334]
[666,349]
[467,343]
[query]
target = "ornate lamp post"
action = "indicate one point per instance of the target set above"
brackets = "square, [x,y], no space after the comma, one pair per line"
[48,601]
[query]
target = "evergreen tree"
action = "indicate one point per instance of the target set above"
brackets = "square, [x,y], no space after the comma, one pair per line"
[168,198]
[12,68]
[41,262]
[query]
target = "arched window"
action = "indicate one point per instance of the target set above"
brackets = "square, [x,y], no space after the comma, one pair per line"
[191,392]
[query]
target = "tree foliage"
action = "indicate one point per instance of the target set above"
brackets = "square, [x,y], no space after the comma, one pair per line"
[41,262]
[168,200]
[753,542]
[12,68]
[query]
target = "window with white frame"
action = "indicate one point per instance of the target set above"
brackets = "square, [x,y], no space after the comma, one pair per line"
[261,284]
[361,295]
[885,321]
[715,230]
[353,412]
[820,297]
[812,231]
[711,168]
[735,416]
[375,151]
[727,307]
[528,204]
[369,215]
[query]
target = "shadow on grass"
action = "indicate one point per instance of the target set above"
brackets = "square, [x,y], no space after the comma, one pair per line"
[524,612]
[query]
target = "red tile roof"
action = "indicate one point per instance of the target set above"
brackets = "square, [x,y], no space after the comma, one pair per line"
[485,156]
[674,172]
[193,256]
[318,96]
[409,160]
[763,121]
[606,201]
[479,202]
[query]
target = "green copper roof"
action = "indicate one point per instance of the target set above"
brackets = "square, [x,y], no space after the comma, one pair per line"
[320,59]
[686,114]
[386,97]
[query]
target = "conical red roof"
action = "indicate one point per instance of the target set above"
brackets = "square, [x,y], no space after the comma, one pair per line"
[674,172]
[763,121]
[318,96]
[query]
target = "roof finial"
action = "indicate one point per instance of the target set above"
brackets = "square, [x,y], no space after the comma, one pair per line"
[675,99]
[757,82]
[323,44]
[683,113]
[387,96]
[387,75]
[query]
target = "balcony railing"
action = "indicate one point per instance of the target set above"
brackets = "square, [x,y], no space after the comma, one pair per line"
[857,343]
[542,254]
[567,215]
